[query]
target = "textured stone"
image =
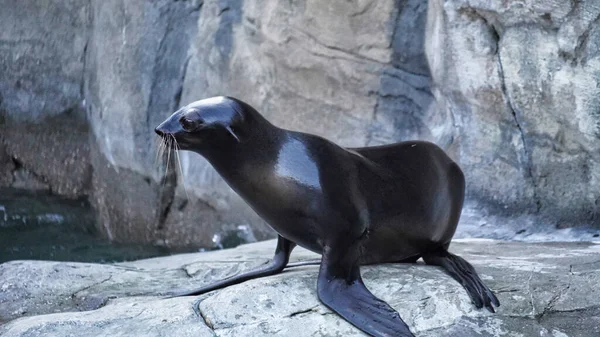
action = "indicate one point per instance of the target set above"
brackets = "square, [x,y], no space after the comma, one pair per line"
[42,47]
[519,84]
[135,65]
[41,57]
[131,317]
[295,61]
[402,110]
[7,166]
[52,153]
[25,180]
[555,104]
[545,289]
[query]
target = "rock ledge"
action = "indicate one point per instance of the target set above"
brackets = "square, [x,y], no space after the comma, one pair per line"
[546,289]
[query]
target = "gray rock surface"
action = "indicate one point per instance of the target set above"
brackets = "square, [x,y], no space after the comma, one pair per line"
[42,47]
[510,89]
[134,68]
[520,83]
[64,168]
[7,166]
[548,289]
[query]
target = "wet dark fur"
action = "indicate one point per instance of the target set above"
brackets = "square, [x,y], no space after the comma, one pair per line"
[392,203]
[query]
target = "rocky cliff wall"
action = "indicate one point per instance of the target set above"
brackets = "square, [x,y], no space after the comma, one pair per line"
[520,82]
[508,89]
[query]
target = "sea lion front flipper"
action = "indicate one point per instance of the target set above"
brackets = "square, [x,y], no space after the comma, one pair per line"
[275,266]
[463,272]
[340,287]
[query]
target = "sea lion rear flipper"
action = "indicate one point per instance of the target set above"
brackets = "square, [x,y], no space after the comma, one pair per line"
[275,266]
[463,272]
[340,287]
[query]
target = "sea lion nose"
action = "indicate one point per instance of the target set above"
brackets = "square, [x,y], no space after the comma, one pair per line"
[159,132]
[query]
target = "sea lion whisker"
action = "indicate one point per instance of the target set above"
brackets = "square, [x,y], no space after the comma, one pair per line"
[177,149]
[161,155]
[168,145]
[161,147]
[157,147]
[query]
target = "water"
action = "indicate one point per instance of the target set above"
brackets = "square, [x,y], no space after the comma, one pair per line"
[233,237]
[40,226]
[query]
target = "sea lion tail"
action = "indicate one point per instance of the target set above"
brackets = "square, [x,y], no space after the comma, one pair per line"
[463,272]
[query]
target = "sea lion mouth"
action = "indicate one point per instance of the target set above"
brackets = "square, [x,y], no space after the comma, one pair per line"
[159,132]
[167,141]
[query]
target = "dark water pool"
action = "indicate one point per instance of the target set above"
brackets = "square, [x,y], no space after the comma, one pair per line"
[40,226]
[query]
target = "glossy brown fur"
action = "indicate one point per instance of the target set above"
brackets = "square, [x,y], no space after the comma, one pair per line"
[423,217]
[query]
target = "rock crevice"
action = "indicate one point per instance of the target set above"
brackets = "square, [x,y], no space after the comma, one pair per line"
[527,157]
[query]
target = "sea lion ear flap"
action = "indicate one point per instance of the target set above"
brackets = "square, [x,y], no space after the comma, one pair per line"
[232,133]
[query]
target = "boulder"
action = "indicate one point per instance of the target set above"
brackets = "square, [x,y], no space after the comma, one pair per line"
[545,289]
[42,129]
[134,68]
[52,154]
[519,84]
[41,57]
[7,167]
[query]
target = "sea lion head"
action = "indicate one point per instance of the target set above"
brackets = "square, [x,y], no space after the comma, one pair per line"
[209,122]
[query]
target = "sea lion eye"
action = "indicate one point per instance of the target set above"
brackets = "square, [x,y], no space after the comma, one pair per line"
[188,124]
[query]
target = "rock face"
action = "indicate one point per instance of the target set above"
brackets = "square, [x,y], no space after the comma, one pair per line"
[63,168]
[41,57]
[43,134]
[135,65]
[509,89]
[343,77]
[520,83]
[545,290]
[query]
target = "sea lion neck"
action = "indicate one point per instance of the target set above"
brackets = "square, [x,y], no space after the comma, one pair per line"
[258,140]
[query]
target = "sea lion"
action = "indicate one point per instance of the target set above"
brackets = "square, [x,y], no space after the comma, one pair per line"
[391,203]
